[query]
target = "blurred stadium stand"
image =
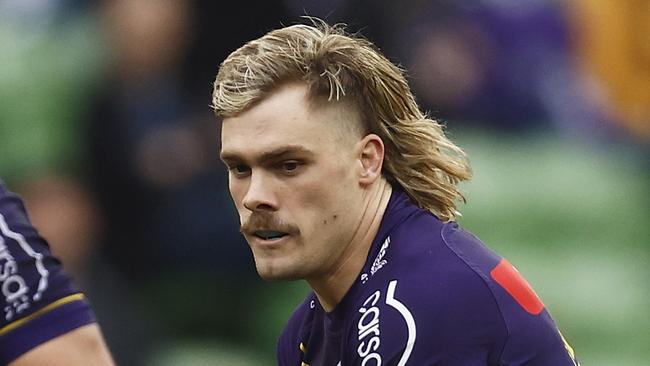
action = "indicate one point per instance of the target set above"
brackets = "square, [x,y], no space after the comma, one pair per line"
[105,129]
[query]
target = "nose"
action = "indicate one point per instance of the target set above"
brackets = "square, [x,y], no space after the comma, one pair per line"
[259,196]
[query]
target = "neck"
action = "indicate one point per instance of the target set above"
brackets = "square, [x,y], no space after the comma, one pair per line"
[331,287]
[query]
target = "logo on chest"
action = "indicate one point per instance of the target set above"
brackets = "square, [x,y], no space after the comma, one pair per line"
[368,330]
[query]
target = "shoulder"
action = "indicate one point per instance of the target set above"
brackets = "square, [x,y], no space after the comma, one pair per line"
[435,292]
[38,302]
[429,258]
[478,294]
[422,302]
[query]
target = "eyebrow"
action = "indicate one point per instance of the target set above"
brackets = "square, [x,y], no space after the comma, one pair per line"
[269,156]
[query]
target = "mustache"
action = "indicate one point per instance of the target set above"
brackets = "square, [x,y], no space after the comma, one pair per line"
[266,221]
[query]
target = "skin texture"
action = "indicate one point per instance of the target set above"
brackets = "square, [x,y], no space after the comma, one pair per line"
[83,346]
[297,168]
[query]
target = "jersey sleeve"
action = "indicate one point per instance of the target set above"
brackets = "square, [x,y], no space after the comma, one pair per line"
[38,302]
[533,337]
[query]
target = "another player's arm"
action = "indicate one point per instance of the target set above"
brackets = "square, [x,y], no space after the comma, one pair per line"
[44,319]
[84,346]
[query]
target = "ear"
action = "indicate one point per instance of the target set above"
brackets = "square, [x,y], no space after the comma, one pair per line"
[371,157]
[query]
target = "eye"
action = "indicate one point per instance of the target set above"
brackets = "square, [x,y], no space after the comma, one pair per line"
[239,169]
[289,166]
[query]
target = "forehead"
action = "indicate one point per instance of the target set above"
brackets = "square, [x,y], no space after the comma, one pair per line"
[285,118]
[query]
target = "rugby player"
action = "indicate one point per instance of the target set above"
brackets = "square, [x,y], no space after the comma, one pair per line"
[44,319]
[341,180]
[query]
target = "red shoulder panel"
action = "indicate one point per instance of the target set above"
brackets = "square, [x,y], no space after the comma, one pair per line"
[506,275]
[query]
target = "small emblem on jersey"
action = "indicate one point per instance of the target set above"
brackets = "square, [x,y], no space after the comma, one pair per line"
[380,261]
[506,275]
[364,278]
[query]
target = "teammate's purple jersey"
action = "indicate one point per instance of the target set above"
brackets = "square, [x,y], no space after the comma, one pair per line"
[430,293]
[37,301]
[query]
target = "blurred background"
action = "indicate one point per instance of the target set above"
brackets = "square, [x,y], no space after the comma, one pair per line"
[106,132]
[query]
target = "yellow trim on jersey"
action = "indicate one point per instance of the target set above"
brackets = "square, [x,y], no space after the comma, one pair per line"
[569,350]
[303,349]
[58,303]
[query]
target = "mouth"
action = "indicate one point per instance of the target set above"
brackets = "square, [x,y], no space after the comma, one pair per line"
[269,234]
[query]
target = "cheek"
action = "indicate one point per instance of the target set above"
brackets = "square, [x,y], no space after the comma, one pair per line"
[237,190]
[328,193]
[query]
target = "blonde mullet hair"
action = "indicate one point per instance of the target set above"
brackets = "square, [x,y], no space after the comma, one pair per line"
[338,67]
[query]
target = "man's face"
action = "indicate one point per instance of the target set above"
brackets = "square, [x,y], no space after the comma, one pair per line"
[293,175]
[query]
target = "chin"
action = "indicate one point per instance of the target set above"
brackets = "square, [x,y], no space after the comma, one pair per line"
[276,273]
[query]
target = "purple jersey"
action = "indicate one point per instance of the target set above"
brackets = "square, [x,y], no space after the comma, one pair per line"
[429,294]
[37,301]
